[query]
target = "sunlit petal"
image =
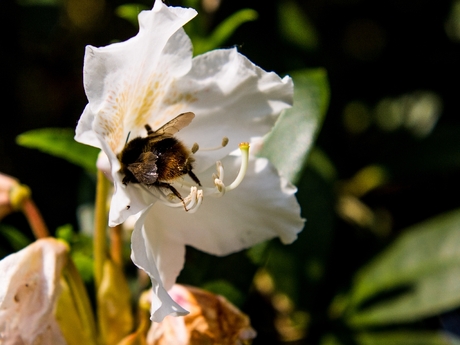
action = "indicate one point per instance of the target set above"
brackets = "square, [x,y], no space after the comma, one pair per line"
[262,207]
[147,257]
[233,98]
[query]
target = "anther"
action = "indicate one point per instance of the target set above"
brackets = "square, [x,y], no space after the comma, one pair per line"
[220,170]
[199,199]
[195,148]
[220,186]
[222,145]
[191,198]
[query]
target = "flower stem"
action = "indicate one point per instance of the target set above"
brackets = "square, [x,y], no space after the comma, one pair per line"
[20,200]
[100,227]
[34,218]
[116,245]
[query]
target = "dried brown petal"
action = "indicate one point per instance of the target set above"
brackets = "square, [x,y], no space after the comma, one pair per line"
[212,320]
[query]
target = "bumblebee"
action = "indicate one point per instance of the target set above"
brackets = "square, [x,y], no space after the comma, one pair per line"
[160,158]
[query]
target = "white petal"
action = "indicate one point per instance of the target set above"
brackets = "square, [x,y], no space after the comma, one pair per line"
[29,289]
[126,200]
[125,82]
[150,249]
[103,164]
[84,132]
[261,208]
[232,98]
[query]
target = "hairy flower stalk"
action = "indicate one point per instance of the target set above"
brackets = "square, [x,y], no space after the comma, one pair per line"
[157,113]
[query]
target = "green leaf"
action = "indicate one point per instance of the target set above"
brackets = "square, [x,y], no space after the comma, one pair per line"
[65,233]
[60,142]
[397,338]
[407,338]
[295,25]
[226,289]
[81,250]
[130,12]
[14,237]
[299,269]
[416,277]
[223,31]
[54,3]
[289,143]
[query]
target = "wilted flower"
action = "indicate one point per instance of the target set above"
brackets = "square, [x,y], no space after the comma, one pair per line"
[149,80]
[212,320]
[29,290]
[12,194]
[15,196]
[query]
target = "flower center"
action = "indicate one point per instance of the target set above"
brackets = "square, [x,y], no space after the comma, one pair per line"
[193,201]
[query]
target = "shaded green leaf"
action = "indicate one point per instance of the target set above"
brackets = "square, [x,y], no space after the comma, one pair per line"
[226,289]
[54,3]
[258,253]
[81,250]
[223,31]
[130,12]
[289,143]
[295,25]
[407,338]
[298,269]
[398,338]
[60,142]
[421,267]
[14,237]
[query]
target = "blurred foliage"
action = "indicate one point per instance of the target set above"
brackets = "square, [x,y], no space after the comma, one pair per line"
[81,252]
[371,143]
[288,144]
[59,142]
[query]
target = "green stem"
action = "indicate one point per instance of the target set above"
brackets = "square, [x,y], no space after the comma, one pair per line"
[116,245]
[100,228]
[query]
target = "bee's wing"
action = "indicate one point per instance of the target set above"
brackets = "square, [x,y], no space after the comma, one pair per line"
[175,125]
[145,168]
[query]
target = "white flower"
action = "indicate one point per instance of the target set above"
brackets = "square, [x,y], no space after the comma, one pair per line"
[152,78]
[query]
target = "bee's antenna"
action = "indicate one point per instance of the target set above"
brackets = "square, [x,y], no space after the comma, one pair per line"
[127,138]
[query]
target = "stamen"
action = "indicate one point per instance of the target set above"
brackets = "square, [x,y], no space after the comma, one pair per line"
[244,148]
[192,198]
[220,187]
[222,145]
[192,202]
[220,170]
[199,199]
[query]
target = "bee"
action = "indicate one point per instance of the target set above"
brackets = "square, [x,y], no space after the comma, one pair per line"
[160,158]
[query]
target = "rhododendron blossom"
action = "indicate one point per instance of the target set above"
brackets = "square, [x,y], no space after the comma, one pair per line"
[149,80]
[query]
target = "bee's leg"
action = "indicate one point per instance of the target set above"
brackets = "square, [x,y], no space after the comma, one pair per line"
[173,190]
[193,176]
[149,129]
